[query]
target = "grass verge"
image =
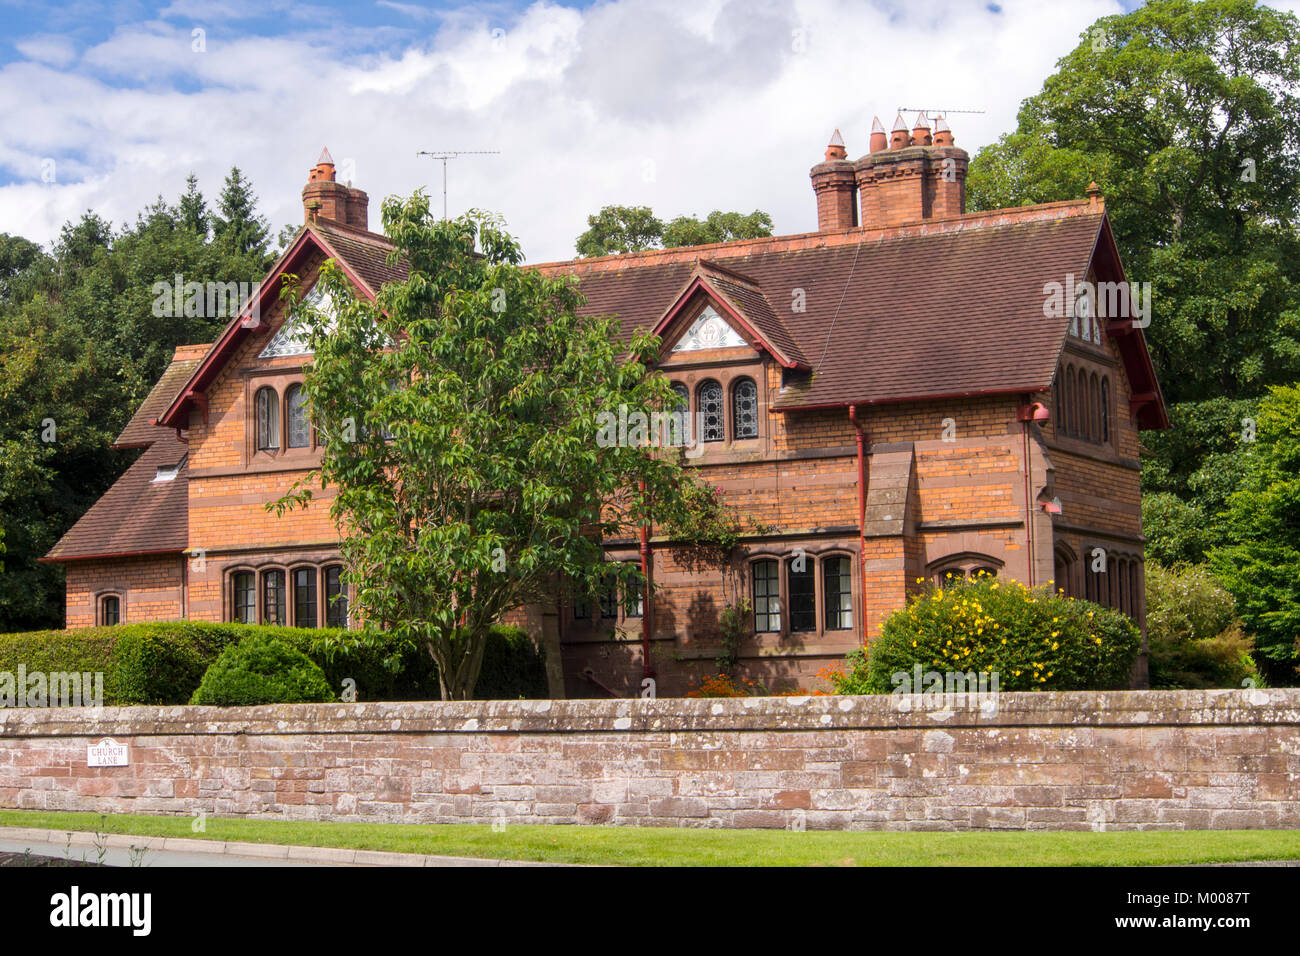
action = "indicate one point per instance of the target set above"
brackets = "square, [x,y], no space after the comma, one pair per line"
[679,846]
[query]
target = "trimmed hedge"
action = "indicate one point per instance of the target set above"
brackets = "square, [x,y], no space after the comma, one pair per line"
[162,662]
[262,669]
[1032,639]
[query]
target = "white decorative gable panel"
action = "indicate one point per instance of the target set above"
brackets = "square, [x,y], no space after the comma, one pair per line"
[709,331]
[292,340]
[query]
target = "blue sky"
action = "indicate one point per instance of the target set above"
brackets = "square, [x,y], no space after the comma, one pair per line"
[683,107]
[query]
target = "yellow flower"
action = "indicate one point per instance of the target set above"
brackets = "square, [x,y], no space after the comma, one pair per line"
[1056,634]
[1055,645]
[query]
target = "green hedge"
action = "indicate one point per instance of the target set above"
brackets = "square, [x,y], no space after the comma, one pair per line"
[1032,639]
[163,662]
[262,669]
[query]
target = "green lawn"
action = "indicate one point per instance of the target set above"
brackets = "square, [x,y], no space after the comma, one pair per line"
[674,846]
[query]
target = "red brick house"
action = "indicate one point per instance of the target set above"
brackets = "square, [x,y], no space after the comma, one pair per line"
[908,392]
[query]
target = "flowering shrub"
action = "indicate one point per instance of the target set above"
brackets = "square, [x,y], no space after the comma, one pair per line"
[1032,639]
[724,685]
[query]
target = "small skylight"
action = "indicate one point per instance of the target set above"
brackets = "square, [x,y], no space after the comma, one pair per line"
[166,473]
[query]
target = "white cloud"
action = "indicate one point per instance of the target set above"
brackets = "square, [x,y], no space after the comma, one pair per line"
[57,51]
[718,104]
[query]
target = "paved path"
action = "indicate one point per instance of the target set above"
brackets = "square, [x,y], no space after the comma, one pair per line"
[176,851]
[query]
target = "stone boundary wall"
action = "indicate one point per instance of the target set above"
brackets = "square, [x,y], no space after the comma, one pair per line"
[1099,761]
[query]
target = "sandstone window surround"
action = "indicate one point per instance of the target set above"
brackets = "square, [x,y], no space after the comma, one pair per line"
[1083,404]
[609,607]
[1118,583]
[279,428]
[1065,576]
[725,405]
[110,608]
[291,595]
[967,564]
[802,594]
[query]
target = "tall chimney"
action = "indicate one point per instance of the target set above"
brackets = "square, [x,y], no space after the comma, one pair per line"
[921,175]
[834,184]
[325,198]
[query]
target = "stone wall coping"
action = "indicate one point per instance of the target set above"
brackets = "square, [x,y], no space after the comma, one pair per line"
[1273,706]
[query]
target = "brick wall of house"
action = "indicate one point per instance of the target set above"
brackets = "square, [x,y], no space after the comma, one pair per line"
[148,589]
[1171,760]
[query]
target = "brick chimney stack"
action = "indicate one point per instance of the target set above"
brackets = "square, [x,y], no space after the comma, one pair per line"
[324,198]
[834,183]
[921,175]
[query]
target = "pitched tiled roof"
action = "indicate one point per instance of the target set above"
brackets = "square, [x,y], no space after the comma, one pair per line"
[140,430]
[137,515]
[747,296]
[928,309]
[888,316]
[365,253]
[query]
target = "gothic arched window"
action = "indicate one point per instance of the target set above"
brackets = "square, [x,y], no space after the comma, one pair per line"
[711,411]
[744,409]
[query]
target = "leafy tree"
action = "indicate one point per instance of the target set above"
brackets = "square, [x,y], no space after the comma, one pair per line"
[492,482]
[80,346]
[17,255]
[1194,636]
[1261,564]
[1185,113]
[192,210]
[620,229]
[238,229]
[718,226]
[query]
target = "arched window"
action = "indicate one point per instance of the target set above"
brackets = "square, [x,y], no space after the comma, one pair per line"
[678,428]
[244,600]
[299,427]
[709,396]
[268,420]
[802,584]
[1094,409]
[744,409]
[304,597]
[1063,580]
[956,567]
[1058,410]
[837,583]
[273,598]
[110,610]
[766,596]
[336,598]
[1105,410]
[1071,402]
